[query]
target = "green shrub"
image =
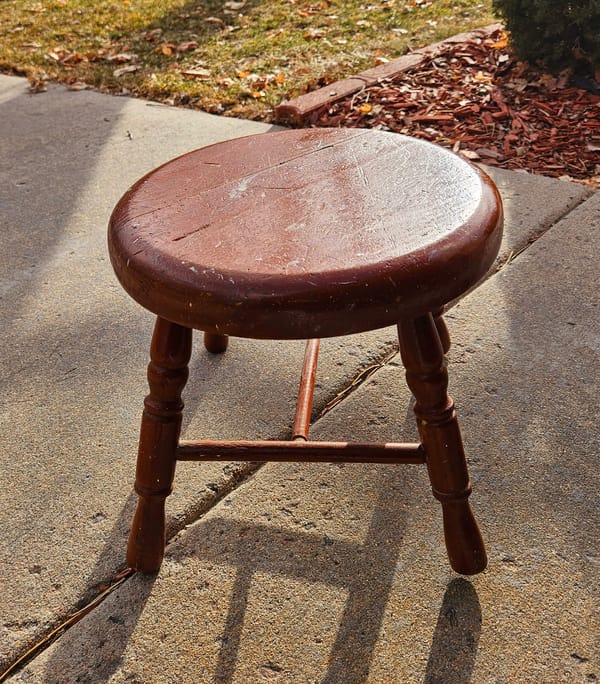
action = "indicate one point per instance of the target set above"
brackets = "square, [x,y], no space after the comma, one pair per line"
[555,33]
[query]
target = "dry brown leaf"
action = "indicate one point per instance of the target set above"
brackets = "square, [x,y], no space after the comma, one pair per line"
[188,46]
[37,85]
[117,73]
[64,57]
[314,34]
[166,49]
[153,35]
[470,154]
[122,57]
[202,74]
[500,44]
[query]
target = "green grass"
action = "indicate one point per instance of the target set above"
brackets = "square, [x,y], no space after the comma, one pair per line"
[241,58]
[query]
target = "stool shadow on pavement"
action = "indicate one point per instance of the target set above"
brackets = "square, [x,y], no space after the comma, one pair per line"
[456,636]
[365,572]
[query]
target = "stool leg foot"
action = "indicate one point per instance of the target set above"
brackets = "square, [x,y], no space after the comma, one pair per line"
[159,435]
[422,351]
[215,344]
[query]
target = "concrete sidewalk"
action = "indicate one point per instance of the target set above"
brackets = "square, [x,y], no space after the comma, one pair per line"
[294,573]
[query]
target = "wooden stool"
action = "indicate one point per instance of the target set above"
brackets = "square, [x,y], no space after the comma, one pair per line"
[305,234]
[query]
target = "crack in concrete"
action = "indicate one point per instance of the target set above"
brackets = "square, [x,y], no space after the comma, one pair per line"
[522,247]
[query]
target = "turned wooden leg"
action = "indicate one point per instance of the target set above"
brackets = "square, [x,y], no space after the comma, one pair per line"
[442,330]
[161,423]
[214,343]
[423,356]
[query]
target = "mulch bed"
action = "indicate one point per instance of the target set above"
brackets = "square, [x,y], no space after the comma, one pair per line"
[478,99]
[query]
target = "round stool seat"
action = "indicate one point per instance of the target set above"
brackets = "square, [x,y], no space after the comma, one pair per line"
[305,233]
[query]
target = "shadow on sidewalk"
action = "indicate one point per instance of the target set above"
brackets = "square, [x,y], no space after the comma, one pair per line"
[366,573]
[456,636]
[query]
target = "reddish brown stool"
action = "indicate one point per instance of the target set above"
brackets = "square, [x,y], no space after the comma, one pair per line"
[304,234]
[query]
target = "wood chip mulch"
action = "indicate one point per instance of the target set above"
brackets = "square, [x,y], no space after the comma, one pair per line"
[478,99]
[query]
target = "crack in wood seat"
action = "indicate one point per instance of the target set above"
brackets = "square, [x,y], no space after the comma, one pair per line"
[305,234]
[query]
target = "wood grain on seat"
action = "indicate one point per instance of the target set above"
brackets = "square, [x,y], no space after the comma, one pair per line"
[348,229]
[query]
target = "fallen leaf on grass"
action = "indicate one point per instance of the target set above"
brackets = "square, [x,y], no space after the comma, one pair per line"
[216,21]
[122,57]
[166,49]
[65,57]
[117,73]
[153,35]
[202,74]
[314,34]
[188,46]
[108,54]
[259,82]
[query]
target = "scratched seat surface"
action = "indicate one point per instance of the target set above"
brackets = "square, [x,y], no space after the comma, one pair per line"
[305,233]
